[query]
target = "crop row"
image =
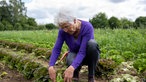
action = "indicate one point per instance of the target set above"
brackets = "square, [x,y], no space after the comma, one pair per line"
[29,48]
[25,65]
[21,63]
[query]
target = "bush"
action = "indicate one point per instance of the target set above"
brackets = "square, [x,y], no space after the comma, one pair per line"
[50,26]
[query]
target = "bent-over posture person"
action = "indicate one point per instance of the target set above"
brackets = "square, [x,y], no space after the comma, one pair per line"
[83,49]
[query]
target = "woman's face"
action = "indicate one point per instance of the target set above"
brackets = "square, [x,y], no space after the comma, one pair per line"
[68,28]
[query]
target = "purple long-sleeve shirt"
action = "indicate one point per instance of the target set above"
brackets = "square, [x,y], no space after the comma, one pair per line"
[75,45]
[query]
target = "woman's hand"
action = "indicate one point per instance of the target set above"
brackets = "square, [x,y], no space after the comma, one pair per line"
[68,74]
[52,73]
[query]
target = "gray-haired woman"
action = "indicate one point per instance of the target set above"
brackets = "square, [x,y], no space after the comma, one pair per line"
[83,49]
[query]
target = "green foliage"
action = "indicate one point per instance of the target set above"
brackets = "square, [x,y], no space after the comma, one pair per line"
[59,77]
[41,75]
[7,25]
[43,53]
[140,65]
[13,16]
[2,27]
[20,46]
[113,52]
[107,64]
[117,58]
[29,48]
[41,27]
[40,51]
[99,21]
[142,55]
[31,22]
[126,24]
[50,26]
[29,69]
[18,26]
[20,65]
[141,22]
[2,55]
[140,62]
[114,22]
[14,61]
[128,55]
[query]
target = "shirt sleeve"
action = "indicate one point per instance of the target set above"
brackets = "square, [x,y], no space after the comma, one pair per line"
[57,48]
[82,51]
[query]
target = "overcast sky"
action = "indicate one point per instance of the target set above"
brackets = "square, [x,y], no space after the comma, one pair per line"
[44,10]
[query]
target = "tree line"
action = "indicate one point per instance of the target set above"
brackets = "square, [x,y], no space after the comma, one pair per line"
[100,20]
[13,17]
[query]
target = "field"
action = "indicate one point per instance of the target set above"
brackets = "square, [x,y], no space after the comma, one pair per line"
[123,55]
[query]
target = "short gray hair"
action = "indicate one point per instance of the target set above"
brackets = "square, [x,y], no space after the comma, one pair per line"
[64,16]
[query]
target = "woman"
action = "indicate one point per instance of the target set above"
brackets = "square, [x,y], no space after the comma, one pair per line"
[83,49]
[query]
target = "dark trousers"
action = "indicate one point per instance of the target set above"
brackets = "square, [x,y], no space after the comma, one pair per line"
[91,58]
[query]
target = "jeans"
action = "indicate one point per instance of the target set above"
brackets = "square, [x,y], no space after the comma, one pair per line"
[91,59]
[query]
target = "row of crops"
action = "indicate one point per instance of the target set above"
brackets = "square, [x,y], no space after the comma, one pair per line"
[126,48]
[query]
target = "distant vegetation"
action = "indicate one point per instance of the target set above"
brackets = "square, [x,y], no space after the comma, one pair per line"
[13,17]
[101,21]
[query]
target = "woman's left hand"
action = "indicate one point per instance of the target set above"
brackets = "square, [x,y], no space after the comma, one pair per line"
[68,74]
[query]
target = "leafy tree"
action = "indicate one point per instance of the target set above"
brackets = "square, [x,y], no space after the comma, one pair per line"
[99,21]
[7,25]
[141,22]
[41,27]
[125,23]
[13,16]
[17,26]
[4,11]
[1,27]
[114,22]
[50,26]
[17,10]
[31,21]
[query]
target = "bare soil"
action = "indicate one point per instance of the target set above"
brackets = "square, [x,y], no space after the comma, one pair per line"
[12,75]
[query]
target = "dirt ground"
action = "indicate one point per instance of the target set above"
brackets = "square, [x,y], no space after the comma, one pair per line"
[11,76]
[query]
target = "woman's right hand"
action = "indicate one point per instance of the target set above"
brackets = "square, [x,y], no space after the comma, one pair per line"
[52,73]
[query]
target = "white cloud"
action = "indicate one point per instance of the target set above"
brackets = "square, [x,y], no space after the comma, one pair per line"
[44,10]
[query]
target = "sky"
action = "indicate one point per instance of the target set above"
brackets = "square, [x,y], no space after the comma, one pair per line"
[44,10]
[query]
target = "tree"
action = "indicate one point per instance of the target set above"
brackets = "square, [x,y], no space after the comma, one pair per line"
[125,23]
[4,12]
[31,21]
[17,10]
[17,26]
[2,27]
[141,22]
[50,26]
[99,21]
[7,25]
[114,22]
